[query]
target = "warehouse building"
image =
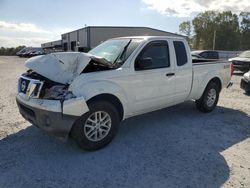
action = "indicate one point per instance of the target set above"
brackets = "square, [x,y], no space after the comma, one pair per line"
[88,37]
[52,46]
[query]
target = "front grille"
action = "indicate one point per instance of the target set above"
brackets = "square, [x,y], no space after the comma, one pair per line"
[36,91]
[30,87]
[23,85]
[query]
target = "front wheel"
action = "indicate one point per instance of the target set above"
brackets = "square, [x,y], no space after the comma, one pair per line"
[96,128]
[209,99]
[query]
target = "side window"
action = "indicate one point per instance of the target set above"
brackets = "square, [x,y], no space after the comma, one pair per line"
[204,54]
[213,55]
[180,52]
[154,55]
[209,55]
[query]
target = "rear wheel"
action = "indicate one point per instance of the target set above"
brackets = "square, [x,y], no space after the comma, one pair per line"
[209,99]
[98,127]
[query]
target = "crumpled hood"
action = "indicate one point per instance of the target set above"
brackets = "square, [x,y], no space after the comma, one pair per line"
[62,67]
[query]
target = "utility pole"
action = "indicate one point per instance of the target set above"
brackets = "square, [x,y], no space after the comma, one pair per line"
[214,39]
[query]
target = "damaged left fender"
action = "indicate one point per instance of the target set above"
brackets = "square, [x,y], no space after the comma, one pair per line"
[90,89]
[75,106]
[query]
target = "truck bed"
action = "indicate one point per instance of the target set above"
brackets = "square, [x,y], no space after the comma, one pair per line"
[202,70]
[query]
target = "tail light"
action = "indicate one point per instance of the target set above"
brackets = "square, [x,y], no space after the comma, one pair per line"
[232,69]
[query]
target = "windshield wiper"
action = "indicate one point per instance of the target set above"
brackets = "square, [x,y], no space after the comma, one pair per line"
[123,51]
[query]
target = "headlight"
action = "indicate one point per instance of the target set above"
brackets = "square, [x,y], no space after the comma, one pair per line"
[58,93]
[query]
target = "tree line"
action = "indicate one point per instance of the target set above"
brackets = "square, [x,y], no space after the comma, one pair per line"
[10,51]
[218,30]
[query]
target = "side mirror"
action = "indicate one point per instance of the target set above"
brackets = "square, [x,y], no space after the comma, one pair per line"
[144,63]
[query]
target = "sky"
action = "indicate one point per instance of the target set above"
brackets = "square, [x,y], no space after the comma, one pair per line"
[32,22]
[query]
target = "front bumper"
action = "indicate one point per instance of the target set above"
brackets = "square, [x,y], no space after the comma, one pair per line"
[50,116]
[245,85]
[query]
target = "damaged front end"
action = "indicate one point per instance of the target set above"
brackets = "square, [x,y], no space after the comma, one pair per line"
[44,97]
[47,104]
[34,85]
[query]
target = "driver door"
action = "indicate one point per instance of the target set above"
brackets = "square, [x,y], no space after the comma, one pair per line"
[153,78]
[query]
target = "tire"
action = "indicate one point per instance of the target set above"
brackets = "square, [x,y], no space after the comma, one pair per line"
[209,98]
[88,133]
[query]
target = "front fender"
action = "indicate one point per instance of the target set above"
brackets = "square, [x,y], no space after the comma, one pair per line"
[91,89]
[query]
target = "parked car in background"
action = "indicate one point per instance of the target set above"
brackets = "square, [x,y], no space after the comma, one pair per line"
[206,54]
[195,56]
[27,53]
[245,82]
[21,52]
[242,62]
[228,54]
[35,53]
[30,52]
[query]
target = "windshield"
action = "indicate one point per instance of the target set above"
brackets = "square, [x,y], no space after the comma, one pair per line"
[116,50]
[245,54]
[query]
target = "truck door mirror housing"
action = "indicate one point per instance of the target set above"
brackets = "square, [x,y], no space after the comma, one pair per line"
[143,63]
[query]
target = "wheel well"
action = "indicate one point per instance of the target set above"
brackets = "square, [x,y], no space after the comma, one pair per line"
[217,81]
[112,99]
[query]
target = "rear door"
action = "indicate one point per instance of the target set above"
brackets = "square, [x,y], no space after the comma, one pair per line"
[183,71]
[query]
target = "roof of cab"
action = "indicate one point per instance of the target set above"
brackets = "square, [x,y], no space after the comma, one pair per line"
[149,37]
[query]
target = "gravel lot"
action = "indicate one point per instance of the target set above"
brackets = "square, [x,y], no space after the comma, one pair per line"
[173,147]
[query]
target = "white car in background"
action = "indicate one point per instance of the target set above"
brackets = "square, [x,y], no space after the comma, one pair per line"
[242,62]
[245,82]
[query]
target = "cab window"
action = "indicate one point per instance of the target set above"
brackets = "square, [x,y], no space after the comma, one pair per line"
[154,55]
[180,53]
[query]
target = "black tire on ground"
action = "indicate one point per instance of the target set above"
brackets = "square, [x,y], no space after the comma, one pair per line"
[205,103]
[78,131]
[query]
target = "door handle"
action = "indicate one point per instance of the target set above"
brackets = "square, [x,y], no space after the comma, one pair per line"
[170,74]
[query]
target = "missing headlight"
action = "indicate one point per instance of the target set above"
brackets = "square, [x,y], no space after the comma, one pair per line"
[59,92]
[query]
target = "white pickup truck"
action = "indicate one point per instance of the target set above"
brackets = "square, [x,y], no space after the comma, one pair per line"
[86,95]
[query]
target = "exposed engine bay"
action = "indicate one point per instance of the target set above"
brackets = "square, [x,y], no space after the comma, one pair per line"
[50,89]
